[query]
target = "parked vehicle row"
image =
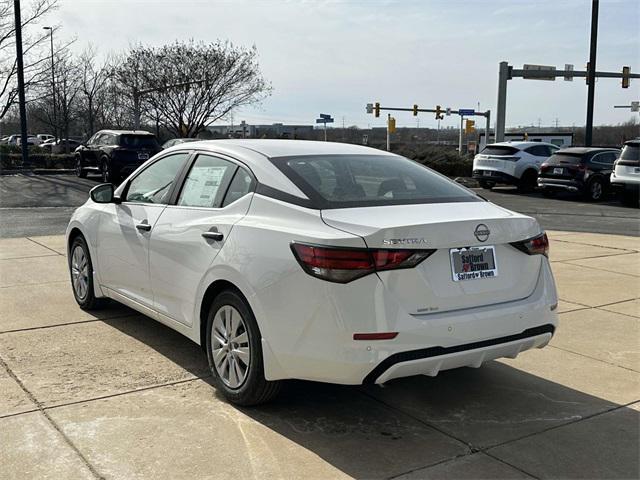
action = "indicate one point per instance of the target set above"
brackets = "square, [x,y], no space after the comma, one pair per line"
[591,172]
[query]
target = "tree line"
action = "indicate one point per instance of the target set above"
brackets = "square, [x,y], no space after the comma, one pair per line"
[180,87]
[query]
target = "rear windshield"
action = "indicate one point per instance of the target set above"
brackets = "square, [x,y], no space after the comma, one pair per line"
[499,150]
[570,158]
[342,181]
[630,152]
[138,141]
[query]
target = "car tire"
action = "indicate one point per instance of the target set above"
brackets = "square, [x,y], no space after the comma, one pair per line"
[81,272]
[106,171]
[235,352]
[528,181]
[80,172]
[594,191]
[486,185]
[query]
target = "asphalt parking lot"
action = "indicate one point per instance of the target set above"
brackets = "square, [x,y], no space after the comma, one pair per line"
[113,394]
[43,204]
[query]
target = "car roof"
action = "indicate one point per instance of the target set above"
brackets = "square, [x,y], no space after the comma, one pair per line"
[127,132]
[583,150]
[635,141]
[520,144]
[255,154]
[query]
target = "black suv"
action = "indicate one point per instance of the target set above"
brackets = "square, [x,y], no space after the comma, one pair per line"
[584,170]
[115,153]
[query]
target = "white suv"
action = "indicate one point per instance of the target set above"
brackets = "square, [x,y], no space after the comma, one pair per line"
[514,163]
[626,174]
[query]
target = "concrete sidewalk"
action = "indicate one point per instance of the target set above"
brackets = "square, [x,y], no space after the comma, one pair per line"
[116,395]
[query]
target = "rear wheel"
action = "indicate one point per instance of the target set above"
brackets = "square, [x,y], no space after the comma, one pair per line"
[595,190]
[80,172]
[486,184]
[234,351]
[106,172]
[528,181]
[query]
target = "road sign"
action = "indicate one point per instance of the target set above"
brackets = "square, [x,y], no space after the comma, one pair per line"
[536,68]
[466,111]
[569,68]
[324,115]
[369,107]
[635,106]
[324,120]
[448,111]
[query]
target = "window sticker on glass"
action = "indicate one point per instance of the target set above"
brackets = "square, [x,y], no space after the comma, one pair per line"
[202,185]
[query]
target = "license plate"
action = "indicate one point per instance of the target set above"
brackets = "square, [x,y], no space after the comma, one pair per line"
[143,156]
[557,171]
[473,263]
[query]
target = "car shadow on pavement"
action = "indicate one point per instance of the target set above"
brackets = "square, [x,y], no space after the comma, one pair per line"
[543,427]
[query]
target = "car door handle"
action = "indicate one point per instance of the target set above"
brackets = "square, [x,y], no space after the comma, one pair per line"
[217,236]
[145,227]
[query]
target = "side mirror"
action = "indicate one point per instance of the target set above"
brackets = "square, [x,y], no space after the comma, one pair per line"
[103,193]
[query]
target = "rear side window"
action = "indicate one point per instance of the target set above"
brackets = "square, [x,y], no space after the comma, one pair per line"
[499,150]
[342,181]
[138,141]
[631,152]
[241,184]
[205,183]
[539,151]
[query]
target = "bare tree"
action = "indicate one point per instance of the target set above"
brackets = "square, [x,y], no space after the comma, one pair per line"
[35,58]
[186,86]
[94,81]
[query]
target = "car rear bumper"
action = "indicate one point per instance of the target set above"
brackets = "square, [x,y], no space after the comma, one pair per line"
[494,176]
[425,344]
[559,184]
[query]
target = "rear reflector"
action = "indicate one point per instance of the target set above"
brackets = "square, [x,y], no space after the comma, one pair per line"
[538,245]
[342,265]
[375,336]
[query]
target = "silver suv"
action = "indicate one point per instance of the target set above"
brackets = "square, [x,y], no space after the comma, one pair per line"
[626,173]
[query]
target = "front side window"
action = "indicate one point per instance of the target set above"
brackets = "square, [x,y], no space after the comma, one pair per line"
[204,186]
[153,184]
[342,181]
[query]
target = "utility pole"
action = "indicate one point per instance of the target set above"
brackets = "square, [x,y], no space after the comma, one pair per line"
[388,134]
[21,98]
[460,138]
[53,87]
[503,76]
[591,73]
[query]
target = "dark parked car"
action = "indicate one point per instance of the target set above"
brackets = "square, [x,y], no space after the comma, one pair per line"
[584,170]
[115,153]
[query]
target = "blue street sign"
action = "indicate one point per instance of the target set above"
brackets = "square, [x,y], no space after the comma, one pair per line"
[324,120]
[466,111]
[324,115]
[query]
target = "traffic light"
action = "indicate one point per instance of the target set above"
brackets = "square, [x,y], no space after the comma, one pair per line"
[469,126]
[439,115]
[376,110]
[626,72]
[415,110]
[391,125]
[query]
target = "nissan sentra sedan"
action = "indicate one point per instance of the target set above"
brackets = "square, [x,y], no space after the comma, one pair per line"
[309,260]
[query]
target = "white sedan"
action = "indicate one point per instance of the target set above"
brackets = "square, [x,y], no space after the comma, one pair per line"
[311,260]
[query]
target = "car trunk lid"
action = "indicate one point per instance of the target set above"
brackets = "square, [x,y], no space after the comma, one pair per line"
[430,286]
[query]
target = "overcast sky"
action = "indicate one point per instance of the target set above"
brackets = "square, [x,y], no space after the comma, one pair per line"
[336,56]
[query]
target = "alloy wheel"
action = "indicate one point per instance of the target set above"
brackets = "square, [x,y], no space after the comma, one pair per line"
[105,172]
[78,167]
[596,190]
[230,346]
[80,272]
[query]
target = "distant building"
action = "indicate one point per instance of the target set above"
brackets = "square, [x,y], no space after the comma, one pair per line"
[561,139]
[275,130]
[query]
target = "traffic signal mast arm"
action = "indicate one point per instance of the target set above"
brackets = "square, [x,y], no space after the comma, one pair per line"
[432,110]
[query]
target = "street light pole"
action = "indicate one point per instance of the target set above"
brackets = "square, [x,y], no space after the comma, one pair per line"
[53,87]
[21,97]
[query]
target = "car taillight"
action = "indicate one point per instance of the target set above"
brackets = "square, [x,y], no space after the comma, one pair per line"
[342,265]
[534,246]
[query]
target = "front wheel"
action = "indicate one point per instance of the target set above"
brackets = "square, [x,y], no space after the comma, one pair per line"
[234,351]
[108,175]
[80,172]
[81,270]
